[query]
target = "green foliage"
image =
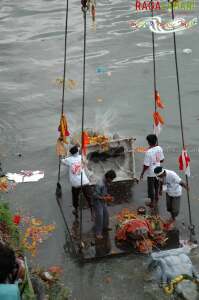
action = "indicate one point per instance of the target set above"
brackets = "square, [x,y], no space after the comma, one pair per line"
[10,234]
[58,292]
[8,230]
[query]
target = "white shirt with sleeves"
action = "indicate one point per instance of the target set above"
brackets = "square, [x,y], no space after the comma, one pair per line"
[172,181]
[152,159]
[75,168]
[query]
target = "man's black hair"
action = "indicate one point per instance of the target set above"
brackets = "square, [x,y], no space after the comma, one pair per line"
[158,170]
[7,262]
[74,150]
[152,139]
[110,174]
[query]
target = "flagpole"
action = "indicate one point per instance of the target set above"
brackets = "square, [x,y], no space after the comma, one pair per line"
[191,226]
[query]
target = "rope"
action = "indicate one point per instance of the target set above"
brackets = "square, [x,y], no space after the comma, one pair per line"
[154,61]
[58,191]
[191,227]
[67,228]
[84,10]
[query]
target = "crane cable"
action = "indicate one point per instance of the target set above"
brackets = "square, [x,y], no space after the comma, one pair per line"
[154,61]
[84,10]
[59,189]
[191,225]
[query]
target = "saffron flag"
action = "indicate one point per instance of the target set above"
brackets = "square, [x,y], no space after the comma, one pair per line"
[158,121]
[63,128]
[93,12]
[85,142]
[158,100]
[184,161]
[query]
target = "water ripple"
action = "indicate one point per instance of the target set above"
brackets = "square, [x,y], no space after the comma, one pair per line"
[141,59]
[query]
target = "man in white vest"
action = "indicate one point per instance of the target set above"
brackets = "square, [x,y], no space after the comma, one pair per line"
[153,158]
[172,184]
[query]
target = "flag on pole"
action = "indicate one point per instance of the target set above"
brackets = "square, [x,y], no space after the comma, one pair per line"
[63,129]
[158,100]
[184,161]
[158,121]
[85,142]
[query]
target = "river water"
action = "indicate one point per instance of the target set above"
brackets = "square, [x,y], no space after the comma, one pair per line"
[31,59]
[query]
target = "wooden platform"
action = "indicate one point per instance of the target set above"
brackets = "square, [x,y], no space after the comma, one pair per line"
[92,249]
[120,157]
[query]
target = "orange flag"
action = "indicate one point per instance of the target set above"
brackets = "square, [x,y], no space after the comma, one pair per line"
[85,142]
[158,100]
[158,122]
[63,128]
[158,119]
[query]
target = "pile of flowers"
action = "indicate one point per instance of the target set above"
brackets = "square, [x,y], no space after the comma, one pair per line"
[98,139]
[4,184]
[36,233]
[9,232]
[22,232]
[144,232]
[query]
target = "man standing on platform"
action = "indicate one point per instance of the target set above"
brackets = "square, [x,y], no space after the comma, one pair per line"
[76,170]
[172,184]
[153,158]
[100,200]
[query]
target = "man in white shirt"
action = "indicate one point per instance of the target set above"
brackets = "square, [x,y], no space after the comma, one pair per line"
[153,157]
[172,184]
[75,169]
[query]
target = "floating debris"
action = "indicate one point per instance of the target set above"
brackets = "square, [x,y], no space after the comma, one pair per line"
[187,51]
[99,100]
[59,81]
[70,83]
[25,176]
[103,70]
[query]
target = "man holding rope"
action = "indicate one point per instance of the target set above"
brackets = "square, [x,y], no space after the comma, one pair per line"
[75,168]
[172,184]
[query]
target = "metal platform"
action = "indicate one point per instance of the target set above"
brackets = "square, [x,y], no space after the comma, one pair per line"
[84,245]
[93,249]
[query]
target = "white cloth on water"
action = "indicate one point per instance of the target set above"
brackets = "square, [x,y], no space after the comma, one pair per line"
[25,176]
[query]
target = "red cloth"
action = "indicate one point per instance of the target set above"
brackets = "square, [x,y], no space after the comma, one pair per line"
[131,227]
[85,142]
[184,158]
